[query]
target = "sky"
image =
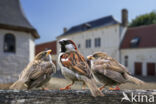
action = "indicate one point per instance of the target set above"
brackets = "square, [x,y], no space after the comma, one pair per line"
[49,17]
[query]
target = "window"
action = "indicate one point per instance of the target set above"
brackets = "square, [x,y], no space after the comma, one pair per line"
[9,43]
[134,42]
[97,42]
[88,43]
[126,61]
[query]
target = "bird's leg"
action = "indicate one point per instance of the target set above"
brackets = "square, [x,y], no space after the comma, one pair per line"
[68,86]
[101,88]
[83,86]
[44,88]
[116,88]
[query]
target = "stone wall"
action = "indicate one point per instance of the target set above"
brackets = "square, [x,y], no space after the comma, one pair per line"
[11,64]
[74,97]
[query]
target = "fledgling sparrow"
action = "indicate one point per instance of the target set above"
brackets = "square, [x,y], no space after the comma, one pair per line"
[37,73]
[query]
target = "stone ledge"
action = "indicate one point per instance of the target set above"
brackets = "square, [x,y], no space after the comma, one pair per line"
[68,97]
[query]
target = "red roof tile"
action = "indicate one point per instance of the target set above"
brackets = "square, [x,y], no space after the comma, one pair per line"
[47,45]
[147,35]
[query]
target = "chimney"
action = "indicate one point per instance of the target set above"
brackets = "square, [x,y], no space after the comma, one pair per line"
[124,17]
[64,29]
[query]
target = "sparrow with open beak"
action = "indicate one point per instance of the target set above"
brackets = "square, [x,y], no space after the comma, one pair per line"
[37,73]
[74,67]
[110,72]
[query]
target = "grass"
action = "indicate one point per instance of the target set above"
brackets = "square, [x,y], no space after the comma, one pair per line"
[5,86]
[56,83]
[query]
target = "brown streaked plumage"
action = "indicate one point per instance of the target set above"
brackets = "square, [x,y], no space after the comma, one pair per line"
[75,68]
[37,73]
[110,72]
[76,63]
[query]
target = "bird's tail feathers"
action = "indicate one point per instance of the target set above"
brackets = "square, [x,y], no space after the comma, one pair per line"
[18,85]
[92,86]
[134,80]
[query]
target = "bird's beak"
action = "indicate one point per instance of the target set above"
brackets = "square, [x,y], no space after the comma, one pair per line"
[90,57]
[48,52]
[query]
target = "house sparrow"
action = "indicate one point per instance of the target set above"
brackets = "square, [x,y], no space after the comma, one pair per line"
[74,67]
[110,72]
[37,72]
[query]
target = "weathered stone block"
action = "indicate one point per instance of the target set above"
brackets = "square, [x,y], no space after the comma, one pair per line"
[73,97]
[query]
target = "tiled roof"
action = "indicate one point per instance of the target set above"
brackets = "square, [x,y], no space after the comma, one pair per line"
[12,17]
[47,45]
[146,35]
[105,21]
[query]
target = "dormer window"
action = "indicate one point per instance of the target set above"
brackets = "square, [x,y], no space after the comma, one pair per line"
[86,26]
[135,42]
[9,43]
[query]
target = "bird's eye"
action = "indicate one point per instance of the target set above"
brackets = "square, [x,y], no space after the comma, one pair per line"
[94,55]
[66,42]
[44,54]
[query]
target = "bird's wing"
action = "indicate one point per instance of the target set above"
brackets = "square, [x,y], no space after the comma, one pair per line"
[108,62]
[36,71]
[40,68]
[111,74]
[75,62]
[39,73]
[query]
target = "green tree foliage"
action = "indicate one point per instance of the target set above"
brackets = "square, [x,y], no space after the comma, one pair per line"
[146,19]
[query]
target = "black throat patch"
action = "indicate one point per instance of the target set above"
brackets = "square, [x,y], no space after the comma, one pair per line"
[63,49]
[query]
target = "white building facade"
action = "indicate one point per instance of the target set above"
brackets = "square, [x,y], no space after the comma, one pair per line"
[104,34]
[109,40]
[140,58]
[138,50]
[17,38]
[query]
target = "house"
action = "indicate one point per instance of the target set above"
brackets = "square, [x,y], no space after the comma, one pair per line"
[17,38]
[133,47]
[138,50]
[104,34]
[48,45]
